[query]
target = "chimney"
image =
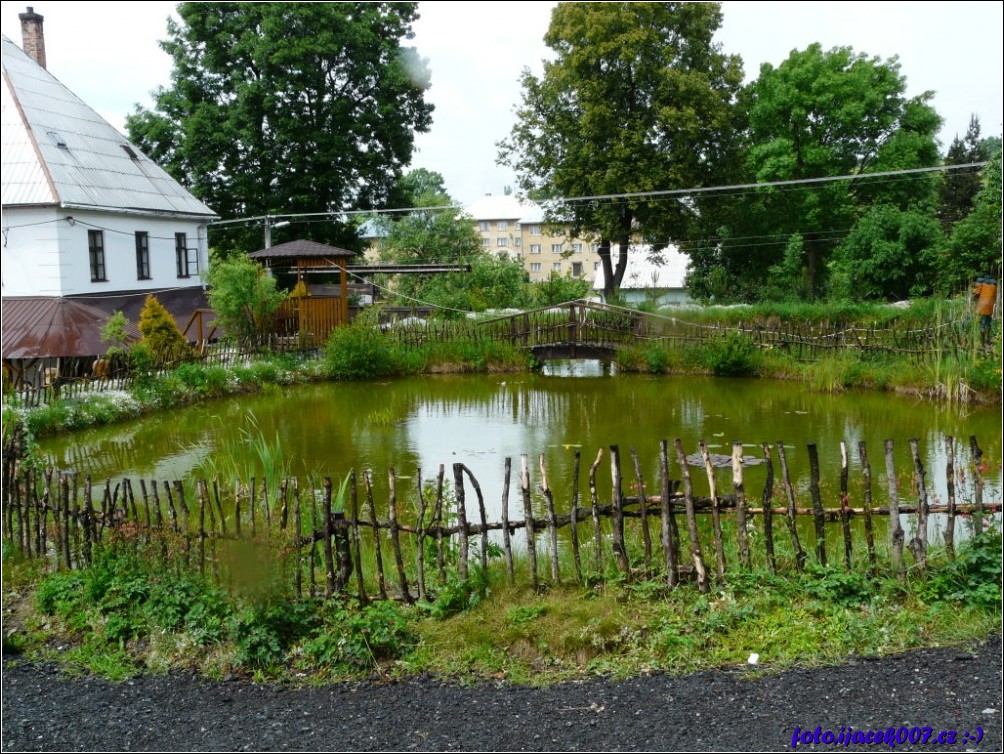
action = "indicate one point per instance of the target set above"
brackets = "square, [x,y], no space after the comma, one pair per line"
[32,37]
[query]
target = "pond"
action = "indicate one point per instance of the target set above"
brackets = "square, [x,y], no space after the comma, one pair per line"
[407,424]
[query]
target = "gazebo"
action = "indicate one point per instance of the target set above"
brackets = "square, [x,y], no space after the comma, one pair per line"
[314,309]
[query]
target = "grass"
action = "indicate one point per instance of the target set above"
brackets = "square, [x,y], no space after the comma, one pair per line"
[132,612]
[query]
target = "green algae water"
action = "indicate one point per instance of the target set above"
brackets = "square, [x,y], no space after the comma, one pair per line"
[420,423]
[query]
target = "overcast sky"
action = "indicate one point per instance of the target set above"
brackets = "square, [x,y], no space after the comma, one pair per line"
[107,54]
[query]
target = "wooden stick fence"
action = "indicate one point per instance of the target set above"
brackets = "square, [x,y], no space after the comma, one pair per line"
[54,516]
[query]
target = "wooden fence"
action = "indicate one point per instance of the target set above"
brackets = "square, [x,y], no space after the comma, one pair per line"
[334,536]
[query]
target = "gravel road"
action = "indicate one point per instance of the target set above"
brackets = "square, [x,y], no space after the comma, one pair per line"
[941,689]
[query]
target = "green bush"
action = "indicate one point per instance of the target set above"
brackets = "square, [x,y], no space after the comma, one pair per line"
[733,355]
[361,352]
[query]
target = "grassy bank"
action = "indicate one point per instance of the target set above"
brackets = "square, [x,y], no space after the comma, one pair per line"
[129,613]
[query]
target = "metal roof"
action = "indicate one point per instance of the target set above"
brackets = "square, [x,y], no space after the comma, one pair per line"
[300,248]
[39,327]
[57,150]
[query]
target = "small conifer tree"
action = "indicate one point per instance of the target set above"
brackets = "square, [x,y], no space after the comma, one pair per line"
[160,332]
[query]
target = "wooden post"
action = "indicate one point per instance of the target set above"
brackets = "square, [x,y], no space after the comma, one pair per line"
[298,524]
[458,489]
[977,483]
[377,552]
[688,497]
[716,518]
[482,515]
[845,515]
[395,539]
[895,527]
[506,533]
[237,507]
[918,545]
[740,493]
[819,522]
[64,494]
[950,482]
[438,518]
[594,498]
[357,538]
[552,520]
[790,493]
[643,504]
[253,490]
[768,510]
[866,472]
[669,547]
[620,552]
[312,555]
[284,504]
[531,545]
[576,555]
[420,536]
[202,492]
[329,557]
[88,521]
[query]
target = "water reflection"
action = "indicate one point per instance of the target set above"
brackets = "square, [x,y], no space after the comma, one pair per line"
[424,422]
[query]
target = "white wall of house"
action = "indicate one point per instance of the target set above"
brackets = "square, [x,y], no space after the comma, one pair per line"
[45,254]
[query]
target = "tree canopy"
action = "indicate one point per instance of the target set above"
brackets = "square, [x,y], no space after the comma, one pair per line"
[639,98]
[819,114]
[281,108]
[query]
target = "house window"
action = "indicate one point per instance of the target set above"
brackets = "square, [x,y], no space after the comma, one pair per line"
[181,254]
[484,225]
[485,241]
[96,251]
[555,248]
[142,255]
[594,247]
[577,269]
[596,266]
[534,266]
[501,241]
[534,230]
[517,242]
[503,225]
[556,266]
[535,248]
[576,248]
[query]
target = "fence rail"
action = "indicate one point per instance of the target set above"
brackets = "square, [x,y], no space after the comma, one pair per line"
[57,517]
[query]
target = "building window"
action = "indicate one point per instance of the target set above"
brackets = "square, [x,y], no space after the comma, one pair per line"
[501,241]
[594,247]
[484,225]
[181,254]
[596,266]
[517,242]
[502,225]
[485,241]
[534,230]
[576,248]
[577,269]
[142,255]
[519,257]
[96,251]
[535,248]
[534,266]
[556,266]
[556,248]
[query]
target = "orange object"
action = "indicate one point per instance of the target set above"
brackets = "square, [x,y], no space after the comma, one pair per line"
[986,294]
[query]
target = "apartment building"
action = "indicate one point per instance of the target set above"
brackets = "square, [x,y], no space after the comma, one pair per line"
[516,226]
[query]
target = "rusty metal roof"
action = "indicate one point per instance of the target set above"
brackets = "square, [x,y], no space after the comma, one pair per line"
[57,150]
[294,249]
[39,327]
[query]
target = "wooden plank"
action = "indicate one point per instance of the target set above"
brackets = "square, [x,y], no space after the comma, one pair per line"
[688,497]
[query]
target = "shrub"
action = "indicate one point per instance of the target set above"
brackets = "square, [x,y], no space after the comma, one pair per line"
[361,352]
[734,355]
[160,331]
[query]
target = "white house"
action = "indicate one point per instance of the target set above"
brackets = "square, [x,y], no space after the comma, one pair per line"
[85,213]
[659,278]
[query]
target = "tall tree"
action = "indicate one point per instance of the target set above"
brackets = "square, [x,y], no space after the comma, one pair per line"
[280,108]
[974,249]
[834,113]
[639,98]
[959,188]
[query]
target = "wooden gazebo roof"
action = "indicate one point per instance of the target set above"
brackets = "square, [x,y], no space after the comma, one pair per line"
[301,250]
